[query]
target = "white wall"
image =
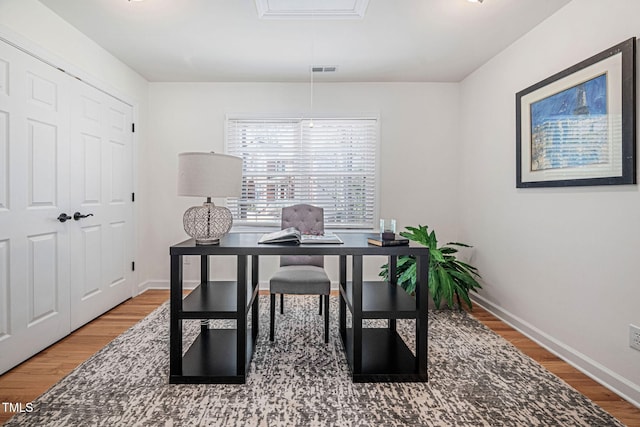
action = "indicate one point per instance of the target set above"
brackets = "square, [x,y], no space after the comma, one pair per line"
[37,29]
[37,23]
[560,264]
[418,134]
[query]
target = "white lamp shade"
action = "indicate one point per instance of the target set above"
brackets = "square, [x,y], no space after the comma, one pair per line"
[209,175]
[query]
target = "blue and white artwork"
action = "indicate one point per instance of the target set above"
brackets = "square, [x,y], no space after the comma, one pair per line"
[570,128]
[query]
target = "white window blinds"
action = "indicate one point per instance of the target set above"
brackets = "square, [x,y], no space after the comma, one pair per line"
[331,164]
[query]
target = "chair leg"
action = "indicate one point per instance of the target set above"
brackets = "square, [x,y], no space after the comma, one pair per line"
[320,312]
[281,303]
[326,318]
[272,316]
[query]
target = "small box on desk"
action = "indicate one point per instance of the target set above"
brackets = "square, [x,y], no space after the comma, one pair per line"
[388,235]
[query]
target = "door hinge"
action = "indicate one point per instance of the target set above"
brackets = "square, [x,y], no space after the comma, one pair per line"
[133,266]
[133,127]
[133,197]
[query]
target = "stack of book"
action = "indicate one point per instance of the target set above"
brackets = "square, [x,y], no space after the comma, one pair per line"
[376,239]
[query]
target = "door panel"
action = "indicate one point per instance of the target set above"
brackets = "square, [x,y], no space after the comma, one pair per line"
[43,280]
[121,206]
[42,163]
[42,92]
[91,261]
[4,290]
[4,158]
[117,172]
[34,142]
[118,251]
[100,244]
[92,169]
[4,77]
[5,309]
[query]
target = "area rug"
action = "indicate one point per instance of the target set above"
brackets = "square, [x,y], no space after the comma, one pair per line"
[476,378]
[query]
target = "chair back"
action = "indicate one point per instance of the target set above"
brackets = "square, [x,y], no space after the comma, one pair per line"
[307,219]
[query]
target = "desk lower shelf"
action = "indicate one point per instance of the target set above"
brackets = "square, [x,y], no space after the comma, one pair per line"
[211,359]
[385,357]
[215,300]
[382,300]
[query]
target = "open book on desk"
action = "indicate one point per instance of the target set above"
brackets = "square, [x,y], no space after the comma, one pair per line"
[292,235]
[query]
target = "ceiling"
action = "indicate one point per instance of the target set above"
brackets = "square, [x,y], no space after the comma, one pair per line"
[225,41]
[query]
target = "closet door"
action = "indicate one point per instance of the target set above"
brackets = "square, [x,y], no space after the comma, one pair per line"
[34,191]
[101,187]
[65,147]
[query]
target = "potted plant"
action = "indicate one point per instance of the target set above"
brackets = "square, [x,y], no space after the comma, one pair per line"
[448,276]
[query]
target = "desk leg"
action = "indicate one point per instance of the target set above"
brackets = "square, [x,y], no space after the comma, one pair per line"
[204,279]
[422,326]
[204,268]
[342,305]
[175,324]
[356,274]
[255,283]
[241,316]
[393,280]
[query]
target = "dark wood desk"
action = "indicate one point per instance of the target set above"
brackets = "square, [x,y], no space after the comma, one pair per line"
[223,355]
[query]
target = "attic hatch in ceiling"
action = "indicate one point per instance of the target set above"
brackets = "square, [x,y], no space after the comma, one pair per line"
[311,9]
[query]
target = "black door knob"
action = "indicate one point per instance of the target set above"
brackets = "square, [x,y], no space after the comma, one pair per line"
[63,217]
[78,215]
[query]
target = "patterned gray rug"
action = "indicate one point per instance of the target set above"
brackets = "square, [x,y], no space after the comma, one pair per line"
[476,378]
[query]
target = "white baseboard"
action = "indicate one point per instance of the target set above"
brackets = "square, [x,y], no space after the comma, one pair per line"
[599,373]
[141,288]
[164,284]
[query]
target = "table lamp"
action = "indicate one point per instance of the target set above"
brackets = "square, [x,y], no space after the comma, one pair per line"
[208,175]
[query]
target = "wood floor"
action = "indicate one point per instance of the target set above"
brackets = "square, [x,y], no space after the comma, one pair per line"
[32,378]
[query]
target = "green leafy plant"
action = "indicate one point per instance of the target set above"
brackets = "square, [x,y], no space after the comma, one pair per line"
[448,276]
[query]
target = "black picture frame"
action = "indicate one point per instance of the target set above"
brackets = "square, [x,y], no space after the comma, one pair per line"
[578,127]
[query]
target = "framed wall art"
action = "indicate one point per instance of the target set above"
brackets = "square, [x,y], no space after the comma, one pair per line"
[577,127]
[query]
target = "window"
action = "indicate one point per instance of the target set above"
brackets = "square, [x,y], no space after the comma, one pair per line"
[331,164]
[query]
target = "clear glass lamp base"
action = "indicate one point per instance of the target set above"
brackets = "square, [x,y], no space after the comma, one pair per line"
[207,223]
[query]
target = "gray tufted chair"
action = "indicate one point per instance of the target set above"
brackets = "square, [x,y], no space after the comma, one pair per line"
[301,274]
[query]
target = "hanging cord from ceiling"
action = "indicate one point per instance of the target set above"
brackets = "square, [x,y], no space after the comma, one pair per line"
[313,29]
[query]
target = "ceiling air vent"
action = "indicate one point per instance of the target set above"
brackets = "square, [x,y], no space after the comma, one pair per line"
[324,68]
[311,10]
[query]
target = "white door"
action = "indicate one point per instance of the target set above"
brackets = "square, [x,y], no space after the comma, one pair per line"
[65,147]
[34,191]
[101,188]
